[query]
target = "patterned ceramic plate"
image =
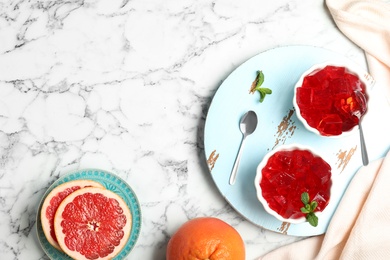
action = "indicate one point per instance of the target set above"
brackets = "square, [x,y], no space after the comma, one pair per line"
[277,125]
[110,182]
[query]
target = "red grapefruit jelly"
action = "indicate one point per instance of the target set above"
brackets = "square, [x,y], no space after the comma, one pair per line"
[289,173]
[326,99]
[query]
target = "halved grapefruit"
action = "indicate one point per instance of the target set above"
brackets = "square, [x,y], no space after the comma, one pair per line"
[53,200]
[92,223]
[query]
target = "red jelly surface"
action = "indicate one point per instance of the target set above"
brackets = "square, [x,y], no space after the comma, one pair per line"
[288,174]
[326,99]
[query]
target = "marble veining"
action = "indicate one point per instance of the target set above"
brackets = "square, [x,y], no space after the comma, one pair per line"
[124,86]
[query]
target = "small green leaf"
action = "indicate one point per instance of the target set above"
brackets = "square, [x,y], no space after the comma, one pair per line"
[308,207]
[304,210]
[313,205]
[256,85]
[262,96]
[259,78]
[305,198]
[312,219]
[267,90]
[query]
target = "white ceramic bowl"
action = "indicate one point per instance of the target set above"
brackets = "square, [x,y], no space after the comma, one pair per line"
[353,69]
[259,176]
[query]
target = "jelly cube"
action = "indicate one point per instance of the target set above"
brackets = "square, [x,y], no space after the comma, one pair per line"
[296,214]
[355,83]
[304,96]
[287,211]
[283,190]
[322,200]
[331,124]
[319,75]
[349,123]
[321,173]
[313,116]
[281,200]
[284,179]
[270,174]
[301,172]
[282,160]
[311,183]
[342,105]
[322,99]
[339,86]
[311,81]
[299,160]
[334,72]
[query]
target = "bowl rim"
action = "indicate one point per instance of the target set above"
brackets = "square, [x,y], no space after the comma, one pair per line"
[258,178]
[353,68]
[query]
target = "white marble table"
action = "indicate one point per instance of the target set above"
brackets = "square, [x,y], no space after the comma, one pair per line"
[125,86]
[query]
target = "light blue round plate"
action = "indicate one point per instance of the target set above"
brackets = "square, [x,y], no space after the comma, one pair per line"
[110,182]
[277,125]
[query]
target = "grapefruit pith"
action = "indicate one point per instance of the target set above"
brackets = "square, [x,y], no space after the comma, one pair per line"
[53,200]
[92,223]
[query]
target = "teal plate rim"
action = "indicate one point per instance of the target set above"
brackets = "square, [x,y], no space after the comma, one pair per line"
[111,182]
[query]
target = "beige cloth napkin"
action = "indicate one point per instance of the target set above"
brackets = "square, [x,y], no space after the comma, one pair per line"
[360,227]
[367,24]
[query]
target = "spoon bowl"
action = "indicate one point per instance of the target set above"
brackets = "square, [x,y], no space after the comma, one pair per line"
[248,125]
[362,101]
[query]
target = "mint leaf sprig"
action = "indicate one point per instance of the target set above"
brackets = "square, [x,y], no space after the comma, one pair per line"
[309,208]
[256,86]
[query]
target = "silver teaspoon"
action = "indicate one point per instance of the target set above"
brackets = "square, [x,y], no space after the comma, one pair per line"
[361,99]
[248,125]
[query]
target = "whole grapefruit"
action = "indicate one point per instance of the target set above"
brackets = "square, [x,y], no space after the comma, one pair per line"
[206,238]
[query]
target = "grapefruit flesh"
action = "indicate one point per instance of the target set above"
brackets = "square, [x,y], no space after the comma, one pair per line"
[53,200]
[92,223]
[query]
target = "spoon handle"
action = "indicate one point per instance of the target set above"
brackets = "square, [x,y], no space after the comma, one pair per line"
[237,162]
[363,146]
